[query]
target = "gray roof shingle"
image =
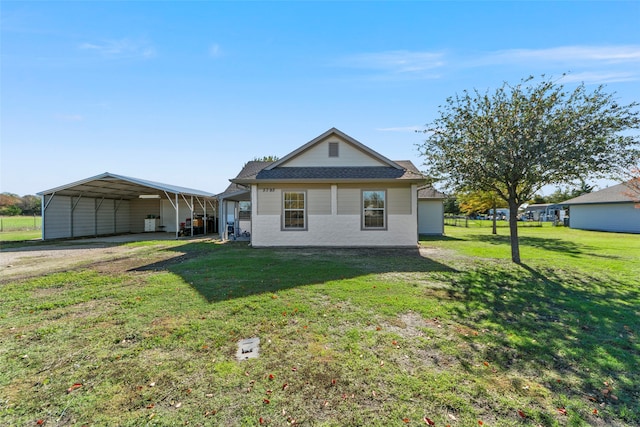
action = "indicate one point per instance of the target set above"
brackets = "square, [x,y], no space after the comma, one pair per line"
[620,193]
[370,172]
[428,192]
[256,170]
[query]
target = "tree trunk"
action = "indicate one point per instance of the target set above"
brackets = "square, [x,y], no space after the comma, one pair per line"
[513,229]
[495,214]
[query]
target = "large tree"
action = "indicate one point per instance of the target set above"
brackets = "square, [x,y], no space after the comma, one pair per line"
[520,138]
[633,183]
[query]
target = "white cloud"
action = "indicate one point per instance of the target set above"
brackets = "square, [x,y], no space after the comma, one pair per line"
[595,77]
[588,64]
[571,54]
[398,63]
[401,129]
[69,117]
[121,48]
[215,51]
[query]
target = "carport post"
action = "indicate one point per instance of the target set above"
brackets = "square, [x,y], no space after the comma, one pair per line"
[204,209]
[177,219]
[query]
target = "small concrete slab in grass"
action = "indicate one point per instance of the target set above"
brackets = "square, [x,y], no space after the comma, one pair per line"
[248,349]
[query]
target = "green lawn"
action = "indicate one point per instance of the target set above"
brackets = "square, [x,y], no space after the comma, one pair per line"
[18,228]
[456,334]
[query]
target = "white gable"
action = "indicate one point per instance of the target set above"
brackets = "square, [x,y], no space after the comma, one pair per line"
[318,155]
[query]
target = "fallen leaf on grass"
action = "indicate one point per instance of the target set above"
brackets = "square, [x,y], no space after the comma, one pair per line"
[453,417]
[595,412]
[284,386]
[522,414]
[179,404]
[261,420]
[271,377]
[151,406]
[40,422]
[562,411]
[429,422]
[74,387]
[405,420]
[480,422]
[266,401]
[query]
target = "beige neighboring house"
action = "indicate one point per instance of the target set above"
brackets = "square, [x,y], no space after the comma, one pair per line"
[332,191]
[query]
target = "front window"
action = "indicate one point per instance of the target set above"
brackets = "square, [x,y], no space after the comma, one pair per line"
[294,209]
[244,210]
[373,209]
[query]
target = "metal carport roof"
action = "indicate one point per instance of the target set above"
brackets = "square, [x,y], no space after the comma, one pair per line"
[111,186]
[121,187]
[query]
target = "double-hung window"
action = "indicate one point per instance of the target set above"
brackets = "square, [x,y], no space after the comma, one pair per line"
[294,210]
[374,214]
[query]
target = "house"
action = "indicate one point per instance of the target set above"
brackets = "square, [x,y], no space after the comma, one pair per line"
[331,191]
[544,212]
[615,208]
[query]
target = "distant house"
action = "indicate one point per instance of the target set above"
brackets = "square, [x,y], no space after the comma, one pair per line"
[544,212]
[611,209]
[331,191]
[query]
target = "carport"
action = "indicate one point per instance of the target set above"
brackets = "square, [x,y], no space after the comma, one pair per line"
[115,204]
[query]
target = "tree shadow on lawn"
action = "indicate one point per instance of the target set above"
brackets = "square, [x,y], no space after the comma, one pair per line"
[563,324]
[556,245]
[220,272]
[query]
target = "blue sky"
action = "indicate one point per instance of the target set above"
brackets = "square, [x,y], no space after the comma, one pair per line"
[186,92]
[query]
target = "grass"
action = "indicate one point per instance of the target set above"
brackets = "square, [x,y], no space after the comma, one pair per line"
[456,333]
[19,228]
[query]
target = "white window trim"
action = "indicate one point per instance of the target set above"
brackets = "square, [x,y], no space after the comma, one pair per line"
[282,222]
[362,211]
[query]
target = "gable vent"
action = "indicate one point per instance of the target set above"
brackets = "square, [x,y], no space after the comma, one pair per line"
[333,149]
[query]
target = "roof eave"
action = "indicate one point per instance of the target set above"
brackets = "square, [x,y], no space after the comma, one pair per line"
[328,181]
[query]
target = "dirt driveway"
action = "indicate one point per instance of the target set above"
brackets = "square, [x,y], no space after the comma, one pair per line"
[109,253]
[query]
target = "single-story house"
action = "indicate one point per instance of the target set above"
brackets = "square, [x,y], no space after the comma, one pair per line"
[115,204]
[331,191]
[615,209]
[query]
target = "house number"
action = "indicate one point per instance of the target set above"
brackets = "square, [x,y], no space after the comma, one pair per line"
[268,190]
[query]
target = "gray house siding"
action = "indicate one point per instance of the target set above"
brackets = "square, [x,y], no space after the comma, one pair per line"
[616,217]
[430,217]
